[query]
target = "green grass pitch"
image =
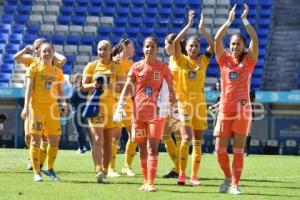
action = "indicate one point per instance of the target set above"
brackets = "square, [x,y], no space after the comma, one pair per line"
[264,177]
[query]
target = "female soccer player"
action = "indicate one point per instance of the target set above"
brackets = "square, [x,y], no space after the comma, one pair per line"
[122,53]
[146,79]
[172,125]
[234,117]
[27,56]
[43,90]
[102,126]
[191,97]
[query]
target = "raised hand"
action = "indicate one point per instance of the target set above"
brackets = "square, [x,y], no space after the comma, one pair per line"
[245,12]
[231,15]
[201,24]
[191,15]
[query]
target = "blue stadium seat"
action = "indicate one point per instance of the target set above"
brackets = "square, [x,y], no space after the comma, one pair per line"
[29,38]
[266,3]
[145,32]
[17,28]
[68,2]
[67,69]
[132,31]
[7,67]
[212,71]
[5,28]
[7,19]
[78,20]
[9,9]
[4,84]
[134,21]
[58,39]
[103,30]
[73,39]
[24,10]
[180,3]
[166,4]
[12,48]
[66,10]
[70,59]
[12,2]
[262,33]
[264,23]
[87,39]
[136,11]
[165,12]
[82,2]
[264,13]
[161,32]
[152,3]
[8,58]
[33,28]
[251,3]
[124,3]
[118,31]
[15,38]
[195,3]
[123,12]
[94,10]
[80,10]
[109,11]
[163,22]
[110,3]
[260,63]
[120,21]
[256,82]
[3,38]
[138,3]
[149,22]
[95,3]
[150,12]
[179,12]
[177,22]
[258,72]
[238,2]
[64,19]
[21,19]
[263,43]
[174,30]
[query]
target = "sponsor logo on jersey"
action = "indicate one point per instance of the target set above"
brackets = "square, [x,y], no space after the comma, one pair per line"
[148,91]
[233,75]
[48,85]
[243,102]
[192,75]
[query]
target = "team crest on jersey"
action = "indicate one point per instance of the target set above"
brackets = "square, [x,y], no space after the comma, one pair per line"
[243,102]
[48,85]
[192,75]
[156,76]
[233,75]
[148,91]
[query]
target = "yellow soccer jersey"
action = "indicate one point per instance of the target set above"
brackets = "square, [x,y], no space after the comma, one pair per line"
[175,72]
[28,60]
[45,83]
[112,70]
[191,79]
[126,65]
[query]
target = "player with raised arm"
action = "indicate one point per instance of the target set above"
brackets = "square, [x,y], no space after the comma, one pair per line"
[235,116]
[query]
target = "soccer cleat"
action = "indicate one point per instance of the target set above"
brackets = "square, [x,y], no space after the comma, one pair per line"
[37,177]
[181,179]
[171,174]
[29,165]
[143,187]
[128,171]
[151,188]
[80,151]
[101,178]
[234,190]
[195,181]
[113,173]
[52,174]
[225,185]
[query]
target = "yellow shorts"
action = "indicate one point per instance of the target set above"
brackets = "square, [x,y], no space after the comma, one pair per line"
[44,120]
[193,115]
[26,127]
[104,121]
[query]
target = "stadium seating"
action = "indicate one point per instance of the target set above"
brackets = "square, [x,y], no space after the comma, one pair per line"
[70,23]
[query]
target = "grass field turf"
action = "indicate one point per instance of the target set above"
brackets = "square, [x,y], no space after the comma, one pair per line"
[264,177]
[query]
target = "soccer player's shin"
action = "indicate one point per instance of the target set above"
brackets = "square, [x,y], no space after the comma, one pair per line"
[114,147]
[35,158]
[43,152]
[144,168]
[130,151]
[196,157]
[237,165]
[51,154]
[151,168]
[183,156]
[223,160]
